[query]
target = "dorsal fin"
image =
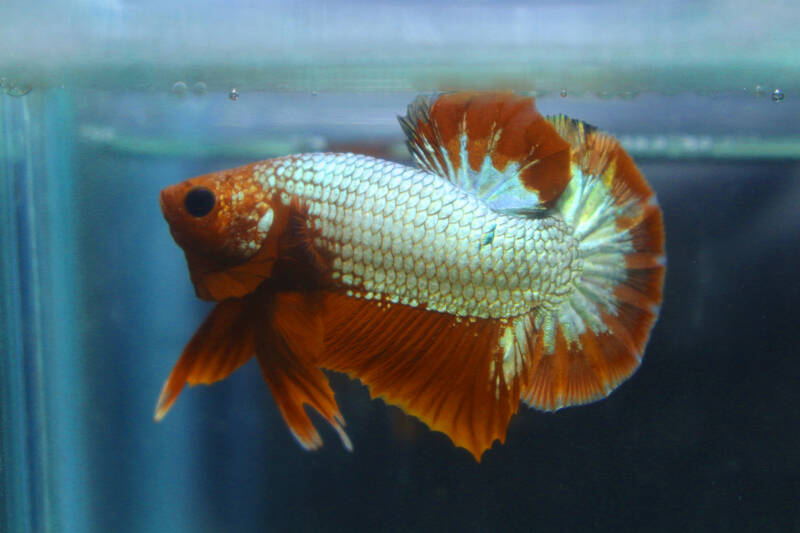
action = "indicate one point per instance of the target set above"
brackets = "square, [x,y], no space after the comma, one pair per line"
[494,144]
[571,130]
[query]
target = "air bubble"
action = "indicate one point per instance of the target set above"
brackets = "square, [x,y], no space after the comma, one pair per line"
[18,89]
[179,88]
[200,88]
[563,93]
[234,94]
[777,95]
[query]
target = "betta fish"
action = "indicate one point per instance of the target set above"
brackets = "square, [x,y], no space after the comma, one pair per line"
[521,261]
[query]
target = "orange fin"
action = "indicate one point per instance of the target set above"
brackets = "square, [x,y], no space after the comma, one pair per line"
[595,339]
[287,349]
[222,344]
[445,371]
[494,144]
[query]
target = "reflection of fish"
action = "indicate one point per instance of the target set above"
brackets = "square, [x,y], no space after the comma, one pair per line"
[522,261]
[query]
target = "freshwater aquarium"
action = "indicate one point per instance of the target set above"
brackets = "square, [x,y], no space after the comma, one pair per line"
[104,103]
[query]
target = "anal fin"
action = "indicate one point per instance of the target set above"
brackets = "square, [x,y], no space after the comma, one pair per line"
[287,348]
[446,371]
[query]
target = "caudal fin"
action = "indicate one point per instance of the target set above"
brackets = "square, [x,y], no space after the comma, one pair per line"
[595,339]
[464,378]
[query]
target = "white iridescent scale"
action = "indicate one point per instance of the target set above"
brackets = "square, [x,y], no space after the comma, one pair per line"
[404,235]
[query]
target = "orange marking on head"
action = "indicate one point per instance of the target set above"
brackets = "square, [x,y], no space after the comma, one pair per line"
[218,244]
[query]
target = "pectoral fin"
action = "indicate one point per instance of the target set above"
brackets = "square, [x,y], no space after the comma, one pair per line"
[222,344]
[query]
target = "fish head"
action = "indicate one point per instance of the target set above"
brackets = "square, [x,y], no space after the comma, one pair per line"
[228,226]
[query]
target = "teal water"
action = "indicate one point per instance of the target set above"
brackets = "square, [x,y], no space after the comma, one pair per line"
[96,306]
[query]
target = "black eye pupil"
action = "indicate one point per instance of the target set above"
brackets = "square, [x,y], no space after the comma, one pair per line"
[199,202]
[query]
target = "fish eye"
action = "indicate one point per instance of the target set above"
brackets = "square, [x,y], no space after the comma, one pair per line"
[199,202]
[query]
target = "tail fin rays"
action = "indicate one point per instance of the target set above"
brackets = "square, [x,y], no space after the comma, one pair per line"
[603,327]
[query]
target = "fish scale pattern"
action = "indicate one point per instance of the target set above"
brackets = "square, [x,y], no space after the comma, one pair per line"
[407,236]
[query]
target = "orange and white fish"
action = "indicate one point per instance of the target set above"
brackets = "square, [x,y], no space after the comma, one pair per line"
[523,261]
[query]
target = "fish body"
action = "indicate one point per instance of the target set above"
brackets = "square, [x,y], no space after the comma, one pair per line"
[401,235]
[522,260]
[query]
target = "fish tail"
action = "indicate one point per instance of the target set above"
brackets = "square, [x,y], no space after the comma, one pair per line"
[594,339]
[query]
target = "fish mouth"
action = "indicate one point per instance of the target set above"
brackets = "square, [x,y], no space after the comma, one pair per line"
[168,200]
[186,230]
[162,201]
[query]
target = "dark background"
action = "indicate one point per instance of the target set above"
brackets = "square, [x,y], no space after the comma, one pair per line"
[704,437]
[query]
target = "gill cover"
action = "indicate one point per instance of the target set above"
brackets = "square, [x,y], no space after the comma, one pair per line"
[222,222]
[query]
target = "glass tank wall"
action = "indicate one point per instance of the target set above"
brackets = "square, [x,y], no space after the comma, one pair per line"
[104,103]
